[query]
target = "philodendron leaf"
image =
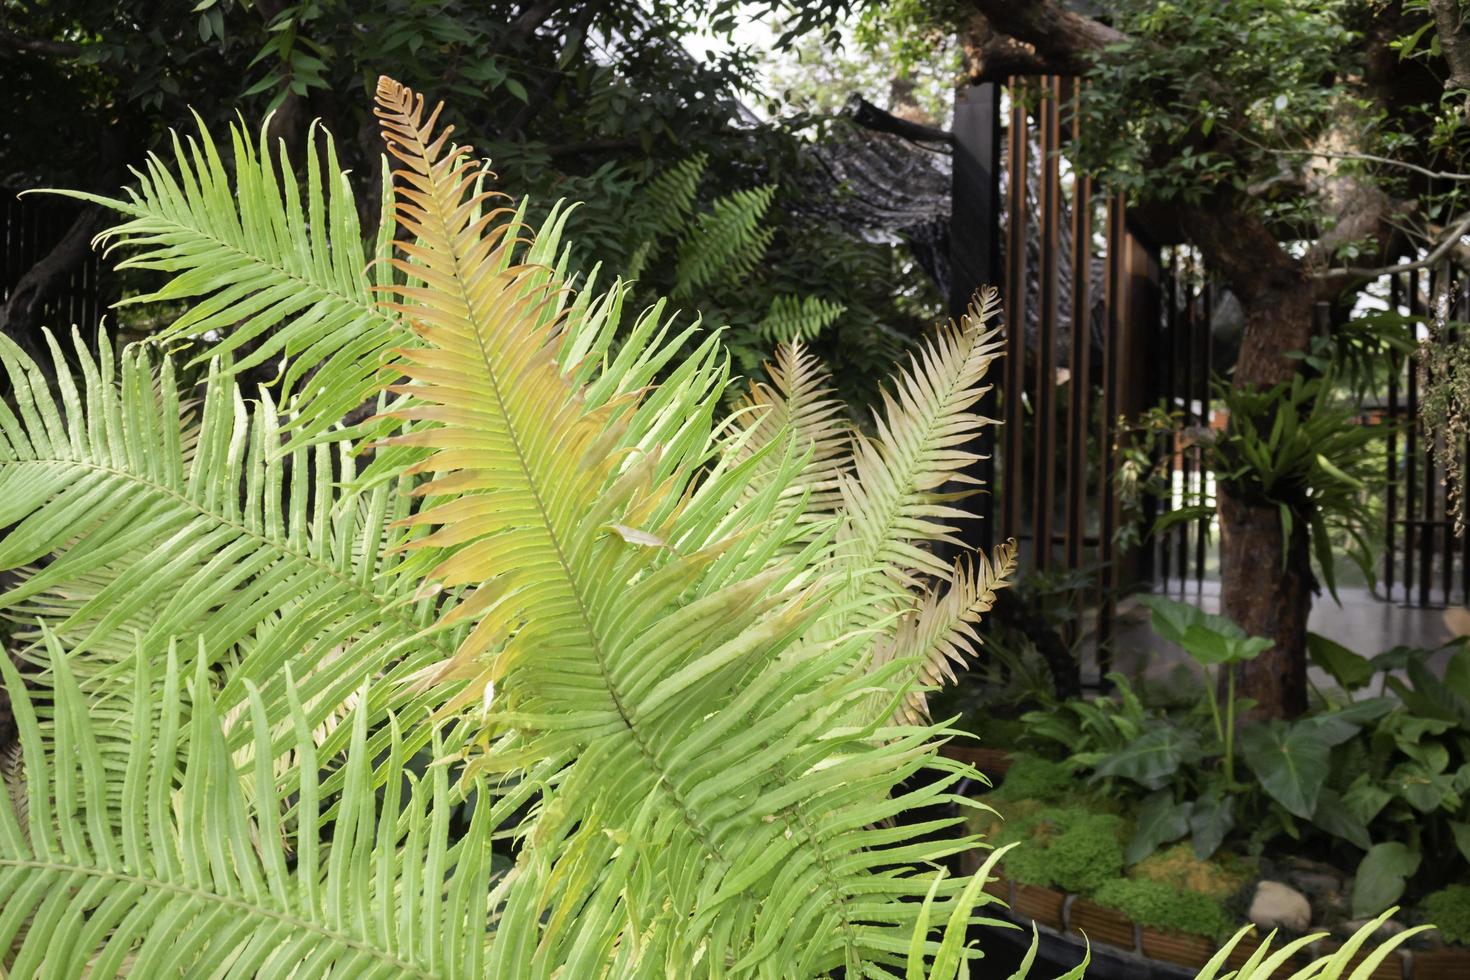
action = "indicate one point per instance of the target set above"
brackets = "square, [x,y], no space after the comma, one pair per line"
[1151,758]
[1160,820]
[1210,819]
[1336,817]
[1291,760]
[1381,877]
[1170,618]
[1364,799]
[1351,670]
[1457,674]
[1209,646]
[1462,837]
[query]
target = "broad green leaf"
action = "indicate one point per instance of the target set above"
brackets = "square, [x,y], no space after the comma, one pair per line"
[1364,800]
[1457,674]
[1381,877]
[1334,816]
[1210,819]
[1349,669]
[1152,758]
[1291,761]
[1160,820]
[1462,837]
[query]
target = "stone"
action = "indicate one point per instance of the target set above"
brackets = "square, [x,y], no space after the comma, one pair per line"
[1277,905]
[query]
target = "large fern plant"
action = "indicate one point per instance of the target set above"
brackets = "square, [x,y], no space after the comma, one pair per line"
[666,660]
[543,667]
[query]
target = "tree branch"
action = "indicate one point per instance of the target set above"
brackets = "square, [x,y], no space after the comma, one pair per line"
[1033,37]
[1460,230]
[865,114]
[39,45]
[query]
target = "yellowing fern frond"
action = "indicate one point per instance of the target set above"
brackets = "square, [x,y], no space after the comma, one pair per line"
[894,504]
[939,632]
[797,414]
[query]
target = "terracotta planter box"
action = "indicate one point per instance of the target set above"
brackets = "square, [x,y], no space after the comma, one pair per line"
[1042,904]
[1190,951]
[992,762]
[1441,964]
[1101,925]
[999,887]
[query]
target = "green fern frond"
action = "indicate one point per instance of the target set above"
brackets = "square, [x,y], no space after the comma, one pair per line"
[726,241]
[668,199]
[796,415]
[793,318]
[269,275]
[156,524]
[196,880]
[1356,959]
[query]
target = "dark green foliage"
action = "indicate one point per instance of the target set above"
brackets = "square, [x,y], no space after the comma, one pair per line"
[1158,906]
[1449,910]
[1070,848]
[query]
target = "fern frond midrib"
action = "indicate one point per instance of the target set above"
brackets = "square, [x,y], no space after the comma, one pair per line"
[163,885]
[390,610]
[359,302]
[533,488]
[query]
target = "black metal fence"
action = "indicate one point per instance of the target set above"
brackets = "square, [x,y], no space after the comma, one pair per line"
[1083,291]
[30,227]
[1424,562]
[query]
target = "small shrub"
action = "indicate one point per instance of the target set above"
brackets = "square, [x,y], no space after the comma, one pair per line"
[1066,847]
[1449,910]
[1158,906]
[1033,778]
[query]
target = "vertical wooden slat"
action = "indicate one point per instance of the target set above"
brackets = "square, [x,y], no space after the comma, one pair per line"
[1045,418]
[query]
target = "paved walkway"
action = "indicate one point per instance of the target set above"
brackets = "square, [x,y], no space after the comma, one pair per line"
[1362,623]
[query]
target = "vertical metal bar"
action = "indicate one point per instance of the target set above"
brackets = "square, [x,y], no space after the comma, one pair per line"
[1391,475]
[1426,524]
[1171,445]
[1411,453]
[1044,490]
[1187,456]
[975,260]
[1080,363]
[1202,328]
[1116,277]
[1017,140]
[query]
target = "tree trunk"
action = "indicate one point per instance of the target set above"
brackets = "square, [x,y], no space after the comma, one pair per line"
[1266,584]
[1266,589]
